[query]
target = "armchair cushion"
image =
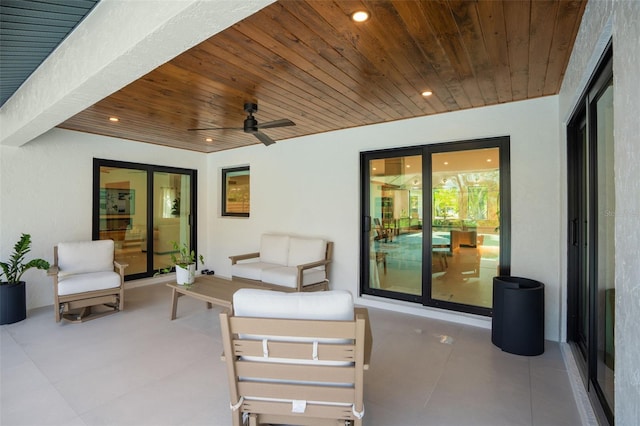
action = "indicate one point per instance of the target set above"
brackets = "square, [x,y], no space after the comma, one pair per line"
[92,281]
[306,250]
[323,305]
[274,249]
[85,256]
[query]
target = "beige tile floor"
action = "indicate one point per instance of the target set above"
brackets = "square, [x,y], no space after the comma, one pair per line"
[138,368]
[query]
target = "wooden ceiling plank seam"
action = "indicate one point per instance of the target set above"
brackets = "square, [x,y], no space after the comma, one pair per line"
[438,14]
[432,49]
[543,16]
[322,53]
[285,89]
[301,48]
[341,52]
[375,46]
[312,89]
[386,79]
[467,20]
[492,18]
[409,59]
[359,40]
[517,19]
[331,85]
[417,26]
[569,12]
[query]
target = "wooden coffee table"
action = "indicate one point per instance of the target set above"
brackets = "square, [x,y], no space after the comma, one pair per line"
[209,288]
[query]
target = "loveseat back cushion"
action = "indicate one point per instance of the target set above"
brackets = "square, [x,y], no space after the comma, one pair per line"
[274,249]
[334,305]
[80,283]
[287,276]
[85,256]
[306,250]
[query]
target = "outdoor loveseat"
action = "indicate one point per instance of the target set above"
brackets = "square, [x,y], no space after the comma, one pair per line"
[290,263]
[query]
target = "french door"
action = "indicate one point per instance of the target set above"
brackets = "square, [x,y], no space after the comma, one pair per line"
[591,245]
[144,209]
[435,227]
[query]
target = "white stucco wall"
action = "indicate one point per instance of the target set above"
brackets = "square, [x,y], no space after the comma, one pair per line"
[311,186]
[46,191]
[602,21]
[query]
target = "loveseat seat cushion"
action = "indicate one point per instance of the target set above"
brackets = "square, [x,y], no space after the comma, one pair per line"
[85,256]
[287,276]
[73,284]
[274,249]
[251,270]
[306,250]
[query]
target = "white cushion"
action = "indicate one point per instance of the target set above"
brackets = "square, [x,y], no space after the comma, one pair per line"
[306,250]
[274,249]
[85,256]
[251,270]
[334,305]
[73,284]
[287,276]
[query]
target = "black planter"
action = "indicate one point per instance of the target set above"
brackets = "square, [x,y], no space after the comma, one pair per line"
[13,302]
[518,315]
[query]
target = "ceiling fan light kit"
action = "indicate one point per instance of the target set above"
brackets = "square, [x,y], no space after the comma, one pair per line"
[252,126]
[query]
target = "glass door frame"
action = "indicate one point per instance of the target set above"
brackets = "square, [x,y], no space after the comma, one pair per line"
[425,151]
[150,169]
[582,235]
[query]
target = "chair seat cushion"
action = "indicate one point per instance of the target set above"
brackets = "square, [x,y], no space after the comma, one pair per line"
[80,283]
[287,276]
[250,270]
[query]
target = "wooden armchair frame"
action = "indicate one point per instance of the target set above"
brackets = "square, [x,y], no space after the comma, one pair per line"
[267,390]
[66,305]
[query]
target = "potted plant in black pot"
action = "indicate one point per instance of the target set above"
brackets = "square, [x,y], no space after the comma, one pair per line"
[13,302]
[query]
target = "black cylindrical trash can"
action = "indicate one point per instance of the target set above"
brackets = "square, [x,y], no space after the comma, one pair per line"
[517,325]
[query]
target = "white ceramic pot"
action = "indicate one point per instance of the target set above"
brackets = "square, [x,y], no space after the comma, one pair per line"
[185,275]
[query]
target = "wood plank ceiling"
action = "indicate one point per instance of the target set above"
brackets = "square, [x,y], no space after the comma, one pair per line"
[305,60]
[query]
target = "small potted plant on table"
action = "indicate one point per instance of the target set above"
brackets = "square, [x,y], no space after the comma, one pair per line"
[13,302]
[185,262]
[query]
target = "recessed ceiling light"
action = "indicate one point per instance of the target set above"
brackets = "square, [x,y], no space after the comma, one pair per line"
[114,119]
[208,140]
[488,160]
[360,16]
[427,93]
[446,162]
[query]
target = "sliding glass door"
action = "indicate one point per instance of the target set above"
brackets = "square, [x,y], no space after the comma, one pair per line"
[144,209]
[443,247]
[591,245]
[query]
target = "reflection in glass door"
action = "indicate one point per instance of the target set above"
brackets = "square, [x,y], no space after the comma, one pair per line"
[395,234]
[465,225]
[143,209]
[171,218]
[442,248]
[123,214]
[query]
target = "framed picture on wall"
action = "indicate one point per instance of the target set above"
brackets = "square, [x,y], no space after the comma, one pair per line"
[236,191]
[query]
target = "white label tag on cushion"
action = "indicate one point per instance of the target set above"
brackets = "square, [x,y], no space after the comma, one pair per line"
[299,406]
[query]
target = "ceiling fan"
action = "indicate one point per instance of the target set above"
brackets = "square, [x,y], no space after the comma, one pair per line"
[251,125]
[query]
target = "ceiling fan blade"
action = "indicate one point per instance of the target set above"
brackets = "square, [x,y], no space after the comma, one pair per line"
[216,128]
[277,123]
[264,138]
